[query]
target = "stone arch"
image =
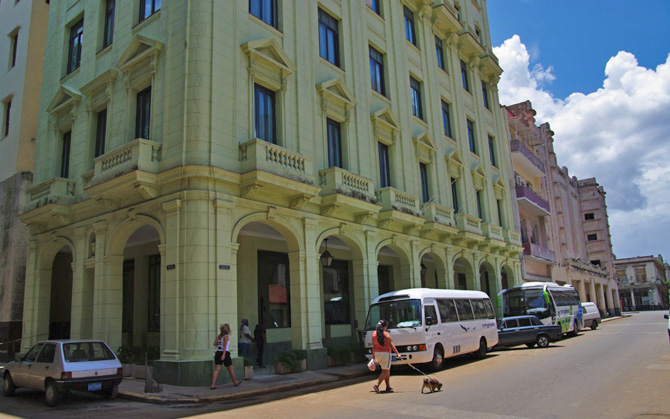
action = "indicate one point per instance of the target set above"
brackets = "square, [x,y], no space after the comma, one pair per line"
[463,272]
[506,276]
[488,281]
[393,274]
[121,234]
[52,248]
[435,275]
[281,224]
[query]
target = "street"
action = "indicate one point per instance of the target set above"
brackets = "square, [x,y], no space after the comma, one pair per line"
[620,370]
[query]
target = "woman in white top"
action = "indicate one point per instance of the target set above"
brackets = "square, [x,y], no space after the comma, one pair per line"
[222,355]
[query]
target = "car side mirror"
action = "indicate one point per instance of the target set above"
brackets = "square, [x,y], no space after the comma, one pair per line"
[17,357]
[429,321]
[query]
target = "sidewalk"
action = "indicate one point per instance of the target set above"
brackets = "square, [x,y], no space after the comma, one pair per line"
[262,383]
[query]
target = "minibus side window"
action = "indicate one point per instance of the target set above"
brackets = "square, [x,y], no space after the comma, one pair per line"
[464,310]
[430,312]
[489,309]
[447,310]
[479,309]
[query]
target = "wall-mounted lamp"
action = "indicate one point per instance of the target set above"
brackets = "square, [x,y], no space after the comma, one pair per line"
[326,257]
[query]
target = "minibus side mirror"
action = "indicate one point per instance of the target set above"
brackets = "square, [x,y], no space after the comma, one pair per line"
[429,321]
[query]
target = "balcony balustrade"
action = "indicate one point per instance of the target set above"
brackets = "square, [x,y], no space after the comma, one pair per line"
[55,190]
[271,158]
[468,223]
[391,199]
[492,231]
[512,237]
[539,252]
[437,213]
[525,158]
[140,154]
[337,180]
[532,201]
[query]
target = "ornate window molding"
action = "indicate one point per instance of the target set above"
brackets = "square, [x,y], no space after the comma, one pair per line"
[268,64]
[336,99]
[139,62]
[63,107]
[454,163]
[425,147]
[385,126]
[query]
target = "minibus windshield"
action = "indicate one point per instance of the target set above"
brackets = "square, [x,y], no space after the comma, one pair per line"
[398,314]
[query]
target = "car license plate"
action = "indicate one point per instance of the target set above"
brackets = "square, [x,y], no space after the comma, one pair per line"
[94,386]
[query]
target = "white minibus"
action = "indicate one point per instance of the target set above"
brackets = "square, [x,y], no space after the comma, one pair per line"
[430,325]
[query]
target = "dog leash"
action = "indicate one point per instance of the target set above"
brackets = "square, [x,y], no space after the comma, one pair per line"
[416,369]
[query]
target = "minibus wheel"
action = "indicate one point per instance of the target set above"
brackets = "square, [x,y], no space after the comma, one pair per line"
[481,352]
[438,359]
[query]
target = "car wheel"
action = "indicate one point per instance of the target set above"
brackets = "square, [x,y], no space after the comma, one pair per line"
[530,345]
[8,386]
[594,325]
[52,395]
[438,359]
[575,330]
[481,352]
[542,341]
[110,392]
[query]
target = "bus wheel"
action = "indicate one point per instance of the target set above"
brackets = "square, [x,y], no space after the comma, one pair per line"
[438,359]
[481,352]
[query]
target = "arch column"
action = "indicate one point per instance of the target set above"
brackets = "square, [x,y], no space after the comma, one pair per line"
[171,283]
[100,229]
[449,269]
[371,279]
[223,290]
[29,327]
[312,339]
[79,294]
[474,271]
[601,298]
[109,298]
[361,289]
[592,292]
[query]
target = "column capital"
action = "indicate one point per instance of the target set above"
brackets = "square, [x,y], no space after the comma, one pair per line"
[171,206]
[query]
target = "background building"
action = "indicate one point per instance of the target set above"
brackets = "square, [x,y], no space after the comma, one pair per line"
[21,53]
[643,283]
[199,163]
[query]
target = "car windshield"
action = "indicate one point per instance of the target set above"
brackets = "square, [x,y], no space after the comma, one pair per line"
[530,301]
[398,314]
[87,351]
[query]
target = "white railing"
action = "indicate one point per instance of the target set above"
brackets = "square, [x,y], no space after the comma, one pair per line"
[52,188]
[261,155]
[139,154]
[337,180]
[393,199]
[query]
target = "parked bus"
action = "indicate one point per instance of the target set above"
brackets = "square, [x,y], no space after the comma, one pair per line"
[430,325]
[550,302]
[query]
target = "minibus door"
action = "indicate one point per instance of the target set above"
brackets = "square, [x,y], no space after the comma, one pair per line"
[431,324]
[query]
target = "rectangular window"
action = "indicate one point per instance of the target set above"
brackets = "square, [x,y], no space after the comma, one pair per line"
[334,144]
[14,44]
[274,291]
[148,8]
[74,51]
[589,216]
[464,310]
[499,208]
[592,237]
[446,119]
[464,76]
[100,133]
[384,166]
[377,71]
[65,155]
[374,5]
[415,89]
[108,36]
[265,10]
[425,194]
[439,52]
[492,151]
[265,115]
[143,114]
[329,43]
[336,292]
[479,205]
[485,95]
[454,194]
[471,136]
[409,25]
[8,113]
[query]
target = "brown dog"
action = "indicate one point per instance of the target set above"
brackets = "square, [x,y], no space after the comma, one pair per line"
[432,384]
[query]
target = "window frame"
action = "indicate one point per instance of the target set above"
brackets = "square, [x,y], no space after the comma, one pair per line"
[425,186]
[155,7]
[384,158]
[439,54]
[13,47]
[377,64]
[485,95]
[492,151]
[108,26]
[375,6]
[415,97]
[472,138]
[334,143]
[142,113]
[446,119]
[454,194]
[410,30]
[329,30]
[75,45]
[480,209]
[7,115]
[589,216]
[262,8]
[500,215]
[100,133]
[592,237]
[66,150]
[269,124]
[464,76]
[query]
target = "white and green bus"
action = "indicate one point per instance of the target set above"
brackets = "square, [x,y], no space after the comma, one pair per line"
[550,302]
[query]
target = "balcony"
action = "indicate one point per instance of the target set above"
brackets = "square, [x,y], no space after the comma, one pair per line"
[434,213]
[346,190]
[53,191]
[522,157]
[398,207]
[539,253]
[531,201]
[493,231]
[468,223]
[512,237]
[48,205]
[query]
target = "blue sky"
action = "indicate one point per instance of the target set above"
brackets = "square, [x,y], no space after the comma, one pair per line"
[599,72]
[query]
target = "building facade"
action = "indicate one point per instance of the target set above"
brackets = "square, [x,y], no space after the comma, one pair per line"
[643,283]
[199,163]
[21,54]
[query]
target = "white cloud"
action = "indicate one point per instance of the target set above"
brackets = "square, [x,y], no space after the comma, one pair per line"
[619,134]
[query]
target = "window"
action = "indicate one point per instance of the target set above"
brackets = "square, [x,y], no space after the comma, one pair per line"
[14,43]
[471,136]
[447,310]
[425,195]
[47,354]
[464,310]
[108,35]
[439,51]
[454,194]
[74,52]
[485,95]
[446,119]
[265,115]
[143,114]
[415,89]
[148,8]
[589,216]
[329,43]
[479,205]
[8,113]
[410,35]
[274,289]
[100,133]
[377,71]
[384,166]
[492,151]
[65,155]
[334,144]
[592,237]
[265,10]
[336,292]
[499,208]
[464,76]
[595,262]
[374,5]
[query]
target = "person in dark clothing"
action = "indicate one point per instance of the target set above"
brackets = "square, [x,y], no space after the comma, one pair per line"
[261,342]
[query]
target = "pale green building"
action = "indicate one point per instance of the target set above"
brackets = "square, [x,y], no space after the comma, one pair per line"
[195,160]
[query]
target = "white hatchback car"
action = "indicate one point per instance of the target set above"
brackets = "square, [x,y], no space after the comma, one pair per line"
[590,315]
[56,366]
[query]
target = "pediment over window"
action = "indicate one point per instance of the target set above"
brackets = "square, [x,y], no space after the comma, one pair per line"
[478,176]
[63,107]
[336,98]
[139,62]
[99,90]
[425,147]
[385,125]
[499,187]
[268,62]
[454,163]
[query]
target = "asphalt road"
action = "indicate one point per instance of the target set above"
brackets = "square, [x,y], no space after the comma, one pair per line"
[620,370]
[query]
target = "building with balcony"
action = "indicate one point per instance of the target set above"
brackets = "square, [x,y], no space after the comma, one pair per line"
[21,56]
[285,162]
[643,283]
